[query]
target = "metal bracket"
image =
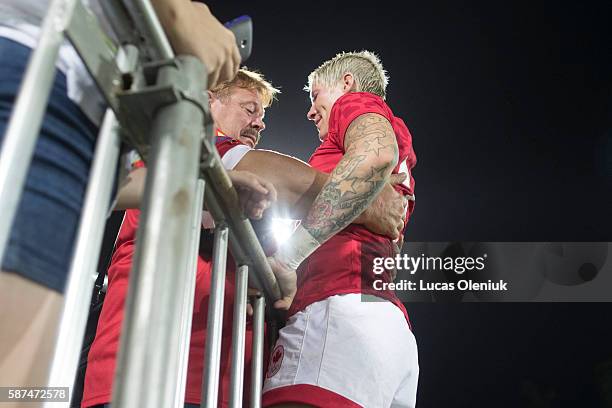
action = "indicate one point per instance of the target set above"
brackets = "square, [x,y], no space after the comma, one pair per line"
[97,51]
[156,85]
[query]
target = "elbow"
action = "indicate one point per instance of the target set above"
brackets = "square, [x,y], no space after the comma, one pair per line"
[387,161]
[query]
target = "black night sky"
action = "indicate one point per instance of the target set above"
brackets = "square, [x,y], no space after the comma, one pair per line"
[510,107]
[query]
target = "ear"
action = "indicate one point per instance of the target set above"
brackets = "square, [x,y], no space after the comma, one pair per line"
[213,105]
[348,82]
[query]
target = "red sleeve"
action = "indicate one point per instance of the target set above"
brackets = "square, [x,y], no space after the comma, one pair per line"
[225,144]
[352,105]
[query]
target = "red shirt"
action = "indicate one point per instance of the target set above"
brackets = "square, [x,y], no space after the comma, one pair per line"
[103,353]
[344,264]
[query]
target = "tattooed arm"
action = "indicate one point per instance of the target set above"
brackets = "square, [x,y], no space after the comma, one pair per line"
[371,153]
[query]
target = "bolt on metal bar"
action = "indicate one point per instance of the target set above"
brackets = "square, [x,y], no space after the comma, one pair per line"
[238,337]
[24,124]
[259,305]
[187,312]
[212,359]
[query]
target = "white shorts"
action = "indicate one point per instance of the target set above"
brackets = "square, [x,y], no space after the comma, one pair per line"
[344,352]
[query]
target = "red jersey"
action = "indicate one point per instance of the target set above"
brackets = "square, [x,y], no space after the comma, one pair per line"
[344,264]
[103,353]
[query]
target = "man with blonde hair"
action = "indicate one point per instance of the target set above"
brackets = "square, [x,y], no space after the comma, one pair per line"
[237,107]
[347,342]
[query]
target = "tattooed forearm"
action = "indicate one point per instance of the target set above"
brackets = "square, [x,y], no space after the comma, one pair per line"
[370,156]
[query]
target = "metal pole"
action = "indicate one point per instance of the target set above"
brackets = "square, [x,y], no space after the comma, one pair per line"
[88,243]
[212,359]
[24,124]
[238,336]
[259,306]
[187,312]
[159,275]
[87,251]
[144,15]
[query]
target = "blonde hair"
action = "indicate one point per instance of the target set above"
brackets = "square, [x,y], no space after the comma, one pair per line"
[365,66]
[248,79]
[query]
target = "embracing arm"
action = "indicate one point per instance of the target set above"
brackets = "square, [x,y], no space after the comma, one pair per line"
[371,153]
[296,183]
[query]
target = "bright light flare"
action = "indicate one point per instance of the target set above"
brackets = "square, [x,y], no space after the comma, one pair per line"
[282,228]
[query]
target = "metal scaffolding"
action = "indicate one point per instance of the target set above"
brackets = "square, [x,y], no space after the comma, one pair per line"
[156,104]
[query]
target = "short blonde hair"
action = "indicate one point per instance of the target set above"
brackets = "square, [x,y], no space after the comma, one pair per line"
[365,66]
[248,79]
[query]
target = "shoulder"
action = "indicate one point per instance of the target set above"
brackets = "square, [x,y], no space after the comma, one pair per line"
[224,144]
[352,105]
[231,151]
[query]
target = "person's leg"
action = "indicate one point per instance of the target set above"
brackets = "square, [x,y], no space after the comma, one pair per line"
[343,352]
[37,257]
[300,359]
[28,317]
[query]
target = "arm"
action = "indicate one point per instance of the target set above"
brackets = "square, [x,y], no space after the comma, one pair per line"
[371,153]
[295,194]
[256,194]
[131,190]
[296,183]
[193,30]
[387,213]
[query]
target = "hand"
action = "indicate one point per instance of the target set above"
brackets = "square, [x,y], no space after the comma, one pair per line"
[193,30]
[256,194]
[250,293]
[287,281]
[387,213]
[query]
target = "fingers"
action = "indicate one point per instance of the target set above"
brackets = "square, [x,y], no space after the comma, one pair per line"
[397,178]
[205,37]
[400,243]
[231,61]
[254,292]
[272,194]
[283,304]
[287,281]
[253,182]
[256,194]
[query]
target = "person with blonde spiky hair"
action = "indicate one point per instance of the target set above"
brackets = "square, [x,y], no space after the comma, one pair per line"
[347,342]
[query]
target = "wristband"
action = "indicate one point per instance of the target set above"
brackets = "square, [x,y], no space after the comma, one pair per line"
[297,248]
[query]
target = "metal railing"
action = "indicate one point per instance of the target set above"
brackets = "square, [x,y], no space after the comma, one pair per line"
[157,105]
